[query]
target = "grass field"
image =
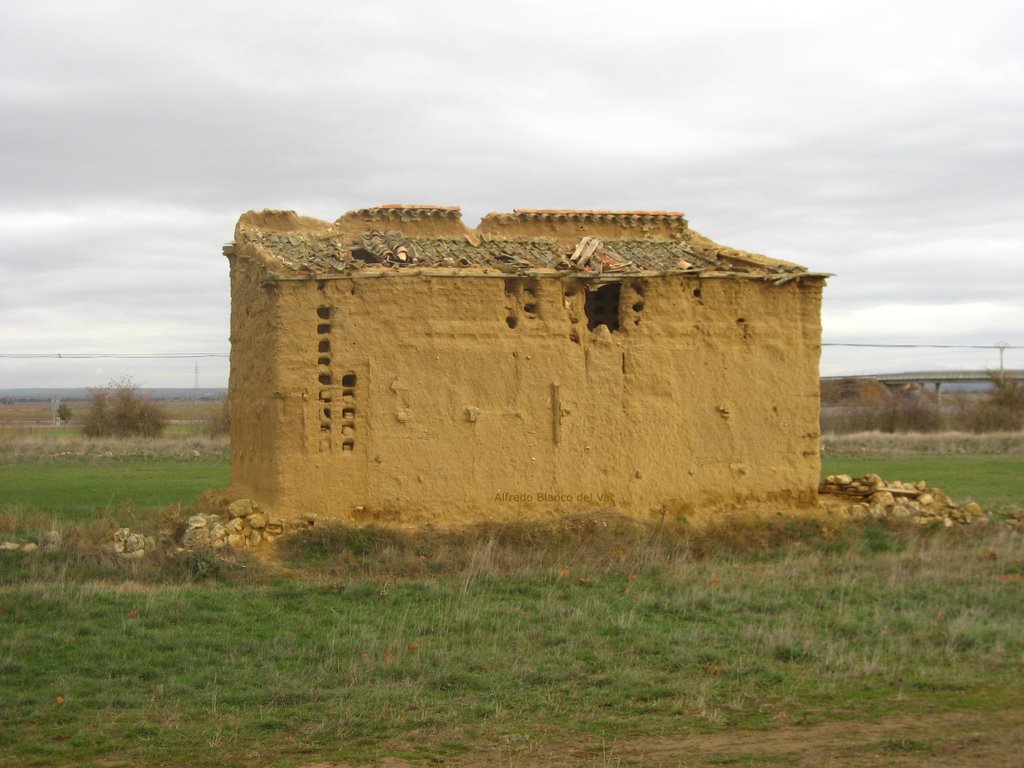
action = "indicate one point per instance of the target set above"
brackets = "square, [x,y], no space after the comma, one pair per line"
[995,482]
[73,491]
[592,642]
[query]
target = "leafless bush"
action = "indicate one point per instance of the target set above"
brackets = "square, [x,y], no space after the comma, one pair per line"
[218,423]
[119,410]
[904,412]
[1002,410]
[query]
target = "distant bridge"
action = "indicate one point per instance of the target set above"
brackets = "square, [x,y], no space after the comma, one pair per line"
[934,379]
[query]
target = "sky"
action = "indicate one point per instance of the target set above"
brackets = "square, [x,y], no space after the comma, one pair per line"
[879,141]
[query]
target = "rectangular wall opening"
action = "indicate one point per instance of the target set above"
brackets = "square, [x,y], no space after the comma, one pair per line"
[602,306]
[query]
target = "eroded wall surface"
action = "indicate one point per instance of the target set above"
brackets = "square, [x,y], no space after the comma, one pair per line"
[455,397]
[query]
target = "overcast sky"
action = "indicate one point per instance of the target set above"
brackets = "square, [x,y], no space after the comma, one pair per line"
[880,141]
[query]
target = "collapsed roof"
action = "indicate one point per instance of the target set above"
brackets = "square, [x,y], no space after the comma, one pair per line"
[582,243]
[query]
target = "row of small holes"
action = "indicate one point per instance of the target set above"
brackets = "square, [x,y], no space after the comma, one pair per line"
[323,362]
[348,412]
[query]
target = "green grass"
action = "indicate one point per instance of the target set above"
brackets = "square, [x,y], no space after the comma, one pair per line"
[995,482]
[277,673]
[73,490]
[512,641]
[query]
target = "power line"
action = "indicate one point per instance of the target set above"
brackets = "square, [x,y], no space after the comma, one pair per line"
[919,346]
[198,355]
[120,356]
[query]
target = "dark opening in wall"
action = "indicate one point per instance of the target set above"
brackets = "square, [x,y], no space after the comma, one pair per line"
[602,306]
[512,287]
[638,288]
[348,411]
[638,308]
[323,362]
[696,293]
[531,292]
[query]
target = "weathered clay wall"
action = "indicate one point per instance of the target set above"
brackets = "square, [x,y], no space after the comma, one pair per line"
[254,381]
[412,397]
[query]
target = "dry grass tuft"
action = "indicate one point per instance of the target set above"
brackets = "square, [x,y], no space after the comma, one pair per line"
[575,546]
[921,444]
[27,445]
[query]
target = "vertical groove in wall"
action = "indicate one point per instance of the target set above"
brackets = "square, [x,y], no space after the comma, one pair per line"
[556,415]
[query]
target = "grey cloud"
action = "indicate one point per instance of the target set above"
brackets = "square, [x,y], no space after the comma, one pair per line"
[852,137]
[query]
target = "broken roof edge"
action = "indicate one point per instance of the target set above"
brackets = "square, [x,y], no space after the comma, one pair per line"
[708,247]
[565,226]
[446,220]
[541,273]
[568,226]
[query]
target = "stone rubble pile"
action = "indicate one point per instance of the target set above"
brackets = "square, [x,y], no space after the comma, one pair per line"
[131,545]
[48,542]
[14,546]
[871,496]
[243,526]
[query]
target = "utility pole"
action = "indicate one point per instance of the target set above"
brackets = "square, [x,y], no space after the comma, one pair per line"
[195,384]
[1001,345]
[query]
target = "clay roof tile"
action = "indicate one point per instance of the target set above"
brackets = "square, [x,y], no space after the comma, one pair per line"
[584,214]
[402,235]
[389,209]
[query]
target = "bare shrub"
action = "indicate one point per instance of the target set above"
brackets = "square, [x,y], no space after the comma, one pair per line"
[64,413]
[903,412]
[1002,410]
[218,423]
[911,412]
[119,410]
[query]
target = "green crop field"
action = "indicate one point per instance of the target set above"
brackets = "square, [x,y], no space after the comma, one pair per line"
[594,641]
[74,490]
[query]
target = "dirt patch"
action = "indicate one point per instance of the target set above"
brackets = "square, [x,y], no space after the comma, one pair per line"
[990,739]
[961,739]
